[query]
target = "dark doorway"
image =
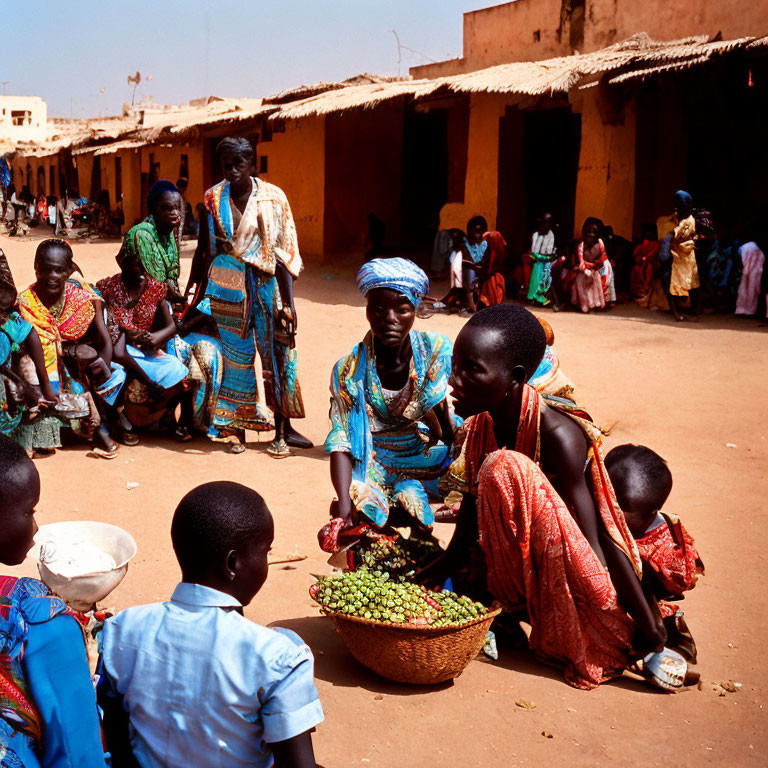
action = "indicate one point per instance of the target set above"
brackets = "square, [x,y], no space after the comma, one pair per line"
[68,179]
[118,179]
[96,178]
[727,163]
[552,140]
[711,142]
[363,179]
[538,168]
[184,167]
[425,176]
[510,206]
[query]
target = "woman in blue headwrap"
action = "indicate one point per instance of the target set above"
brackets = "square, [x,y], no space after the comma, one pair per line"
[391,428]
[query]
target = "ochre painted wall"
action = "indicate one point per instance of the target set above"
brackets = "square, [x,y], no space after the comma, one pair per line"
[131,182]
[531,30]
[482,177]
[169,157]
[296,164]
[606,181]
[507,33]
[83,168]
[609,21]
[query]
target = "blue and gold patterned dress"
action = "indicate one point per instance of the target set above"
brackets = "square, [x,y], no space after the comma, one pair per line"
[245,300]
[381,430]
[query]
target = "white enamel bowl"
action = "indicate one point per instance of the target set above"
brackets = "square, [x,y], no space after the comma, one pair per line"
[84,590]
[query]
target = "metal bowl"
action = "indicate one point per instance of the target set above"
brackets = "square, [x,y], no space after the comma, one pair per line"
[83,591]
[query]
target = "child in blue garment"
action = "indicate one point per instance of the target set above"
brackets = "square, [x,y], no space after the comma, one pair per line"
[48,715]
[193,682]
[18,338]
[473,253]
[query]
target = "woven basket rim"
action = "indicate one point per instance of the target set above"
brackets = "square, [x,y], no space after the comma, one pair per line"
[413,627]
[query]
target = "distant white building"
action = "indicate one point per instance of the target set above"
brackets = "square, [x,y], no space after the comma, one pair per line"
[23,118]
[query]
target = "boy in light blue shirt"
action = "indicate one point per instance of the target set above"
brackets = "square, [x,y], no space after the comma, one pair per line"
[193,682]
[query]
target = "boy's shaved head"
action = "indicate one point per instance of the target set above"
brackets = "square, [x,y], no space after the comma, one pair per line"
[13,462]
[213,519]
[640,477]
[521,337]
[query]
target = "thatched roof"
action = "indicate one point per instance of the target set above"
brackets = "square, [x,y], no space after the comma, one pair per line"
[352,97]
[309,91]
[638,57]
[70,133]
[185,121]
[110,148]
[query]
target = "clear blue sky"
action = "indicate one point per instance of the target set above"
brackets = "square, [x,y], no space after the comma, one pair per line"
[67,52]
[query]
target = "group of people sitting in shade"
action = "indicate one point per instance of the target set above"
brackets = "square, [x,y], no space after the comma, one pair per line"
[679,264]
[569,541]
[133,350]
[70,215]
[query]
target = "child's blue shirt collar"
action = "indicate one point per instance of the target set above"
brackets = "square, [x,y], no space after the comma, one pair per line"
[197,594]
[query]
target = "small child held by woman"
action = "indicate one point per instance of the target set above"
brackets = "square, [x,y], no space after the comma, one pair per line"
[671,565]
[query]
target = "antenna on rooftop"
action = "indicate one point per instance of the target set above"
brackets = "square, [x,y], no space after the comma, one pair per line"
[401,48]
[135,79]
[4,83]
[399,51]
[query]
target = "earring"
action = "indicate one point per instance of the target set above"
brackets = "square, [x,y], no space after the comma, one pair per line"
[231,575]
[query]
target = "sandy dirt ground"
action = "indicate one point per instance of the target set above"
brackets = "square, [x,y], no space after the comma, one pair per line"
[693,392]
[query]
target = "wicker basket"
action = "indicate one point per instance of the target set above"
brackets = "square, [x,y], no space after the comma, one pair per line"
[413,654]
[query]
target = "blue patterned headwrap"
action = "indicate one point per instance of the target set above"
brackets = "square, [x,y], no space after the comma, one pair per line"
[157,191]
[397,274]
[683,201]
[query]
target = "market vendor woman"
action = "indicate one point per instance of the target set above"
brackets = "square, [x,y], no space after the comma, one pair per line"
[391,431]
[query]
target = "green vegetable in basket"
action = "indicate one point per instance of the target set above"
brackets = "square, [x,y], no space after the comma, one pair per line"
[373,595]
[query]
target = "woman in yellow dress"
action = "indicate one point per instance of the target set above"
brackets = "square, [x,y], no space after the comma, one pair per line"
[685,275]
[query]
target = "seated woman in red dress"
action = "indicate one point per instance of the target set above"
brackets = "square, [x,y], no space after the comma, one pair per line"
[553,545]
[646,257]
[492,287]
[136,304]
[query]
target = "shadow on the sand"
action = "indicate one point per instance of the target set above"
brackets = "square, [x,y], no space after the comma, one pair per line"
[336,665]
